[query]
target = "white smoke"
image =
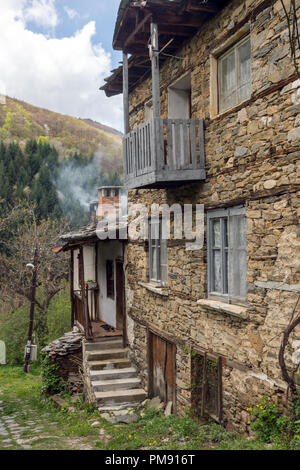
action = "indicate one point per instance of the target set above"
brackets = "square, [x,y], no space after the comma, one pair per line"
[72,183]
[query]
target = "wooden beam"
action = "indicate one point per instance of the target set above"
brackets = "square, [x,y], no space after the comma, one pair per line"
[125,94]
[155,71]
[139,27]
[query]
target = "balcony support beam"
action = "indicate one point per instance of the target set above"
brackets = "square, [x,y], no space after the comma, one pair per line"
[126,94]
[154,56]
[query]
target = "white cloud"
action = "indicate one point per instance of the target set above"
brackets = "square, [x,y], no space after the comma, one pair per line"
[71,13]
[42,12]
[63,75]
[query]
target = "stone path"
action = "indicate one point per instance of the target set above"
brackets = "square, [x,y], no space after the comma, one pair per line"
[11,431]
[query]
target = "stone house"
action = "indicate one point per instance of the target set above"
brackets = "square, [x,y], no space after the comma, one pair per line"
[95,350]
[212,117]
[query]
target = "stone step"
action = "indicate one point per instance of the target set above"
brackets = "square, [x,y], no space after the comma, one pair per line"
[113,374]
[112,398]
[109,364]
[100,345]
[123,406]
[107,354]
[116,384]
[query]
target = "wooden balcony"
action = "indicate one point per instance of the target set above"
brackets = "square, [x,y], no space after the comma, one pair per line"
[164,152]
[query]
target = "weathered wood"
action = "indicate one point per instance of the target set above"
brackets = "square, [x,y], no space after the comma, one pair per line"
[155,70]
[125,94]
[72,288]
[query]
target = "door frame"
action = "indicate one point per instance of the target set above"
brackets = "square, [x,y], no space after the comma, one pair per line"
[120,299]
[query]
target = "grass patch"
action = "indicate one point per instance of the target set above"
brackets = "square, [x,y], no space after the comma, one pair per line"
[44,426]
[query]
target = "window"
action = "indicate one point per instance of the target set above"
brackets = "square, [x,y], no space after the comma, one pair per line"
[110,279]
[227,258]
[157,252]
[234,75]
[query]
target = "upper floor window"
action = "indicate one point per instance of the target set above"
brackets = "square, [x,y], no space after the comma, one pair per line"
[234,75]
[227,258]
[157,252]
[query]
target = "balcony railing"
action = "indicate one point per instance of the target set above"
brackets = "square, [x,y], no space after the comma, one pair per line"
[164,152]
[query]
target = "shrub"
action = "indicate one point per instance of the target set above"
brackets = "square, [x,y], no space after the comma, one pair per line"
[52,383]
[269,424]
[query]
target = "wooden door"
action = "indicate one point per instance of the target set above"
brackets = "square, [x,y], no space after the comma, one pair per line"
[162,369]
[120,287]
[207,386]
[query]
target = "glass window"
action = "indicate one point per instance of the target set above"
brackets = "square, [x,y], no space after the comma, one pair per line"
[234,75]
[227,258]
[157,252]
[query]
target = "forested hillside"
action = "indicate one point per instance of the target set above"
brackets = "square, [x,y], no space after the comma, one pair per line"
[20,121]
[55,161]
[57,187]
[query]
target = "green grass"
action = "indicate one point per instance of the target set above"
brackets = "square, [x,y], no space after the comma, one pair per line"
[59,429]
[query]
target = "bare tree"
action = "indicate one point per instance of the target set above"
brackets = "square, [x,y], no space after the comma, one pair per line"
[28,247]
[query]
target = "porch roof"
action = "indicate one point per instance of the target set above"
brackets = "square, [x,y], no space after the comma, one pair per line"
[178,21]
[89,233]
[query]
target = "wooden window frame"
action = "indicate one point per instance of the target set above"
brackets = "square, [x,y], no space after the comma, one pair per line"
[160,246]
[222,214]
[242,34]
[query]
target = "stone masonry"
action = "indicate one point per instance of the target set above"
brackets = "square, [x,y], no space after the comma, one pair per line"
[252,158]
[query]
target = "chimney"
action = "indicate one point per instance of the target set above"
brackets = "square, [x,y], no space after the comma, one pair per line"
[109,196]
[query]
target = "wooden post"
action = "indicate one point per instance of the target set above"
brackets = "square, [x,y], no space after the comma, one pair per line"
[126,94]
[31,317]
[155,71]
[87,326]
[72,288]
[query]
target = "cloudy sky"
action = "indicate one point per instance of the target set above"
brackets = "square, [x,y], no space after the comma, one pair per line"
[56,53]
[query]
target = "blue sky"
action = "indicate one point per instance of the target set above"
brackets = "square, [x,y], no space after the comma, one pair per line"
[104,12]
[56,53]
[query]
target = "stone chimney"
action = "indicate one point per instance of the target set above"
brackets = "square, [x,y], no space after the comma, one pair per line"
[108,196]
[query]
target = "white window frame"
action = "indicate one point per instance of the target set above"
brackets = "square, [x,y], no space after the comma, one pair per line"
[225,295]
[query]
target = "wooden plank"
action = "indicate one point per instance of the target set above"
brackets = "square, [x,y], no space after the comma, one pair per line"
[220,389]
[185,144]
[201,143]
[204,379]
[125,94]
[170,162]
[72,288]
[177,144]
[193,144]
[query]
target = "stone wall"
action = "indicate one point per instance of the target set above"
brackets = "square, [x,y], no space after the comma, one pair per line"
[66,353]
[252,158]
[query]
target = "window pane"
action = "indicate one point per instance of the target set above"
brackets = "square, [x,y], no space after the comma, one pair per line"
[153,268]
[237,257]
[217,273]
[217,233]
[244,63]
[228,81]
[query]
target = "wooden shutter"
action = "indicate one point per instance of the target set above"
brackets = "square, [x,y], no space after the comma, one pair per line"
[207,386]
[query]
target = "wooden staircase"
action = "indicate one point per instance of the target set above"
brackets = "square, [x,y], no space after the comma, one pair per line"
[112,380]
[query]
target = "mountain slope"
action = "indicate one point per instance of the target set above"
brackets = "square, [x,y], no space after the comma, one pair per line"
[20,121]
